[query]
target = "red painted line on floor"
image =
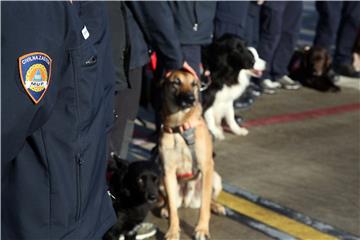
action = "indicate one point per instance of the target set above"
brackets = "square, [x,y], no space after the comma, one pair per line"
[292,117]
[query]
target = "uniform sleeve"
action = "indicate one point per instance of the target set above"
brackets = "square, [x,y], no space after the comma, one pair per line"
[29,28]
[157,23]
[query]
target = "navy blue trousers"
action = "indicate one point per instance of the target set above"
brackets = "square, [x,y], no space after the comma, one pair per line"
[339,23]
[231,17]
[279,29]
[239,18]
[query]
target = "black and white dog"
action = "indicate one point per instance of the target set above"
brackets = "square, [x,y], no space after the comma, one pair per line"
[231,64]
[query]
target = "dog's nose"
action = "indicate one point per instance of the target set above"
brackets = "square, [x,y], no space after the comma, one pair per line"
[190,97]
[152,198]
[186,99]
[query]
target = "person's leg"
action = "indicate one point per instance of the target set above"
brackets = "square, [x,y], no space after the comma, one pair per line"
[270,31]
[328,23]
[291,22]
[126,109]
[231,17]
[348,30]
[252,25]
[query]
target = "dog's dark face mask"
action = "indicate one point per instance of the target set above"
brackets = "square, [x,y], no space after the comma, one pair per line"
[139,181]
[147,186]
[183,88]
[143,181]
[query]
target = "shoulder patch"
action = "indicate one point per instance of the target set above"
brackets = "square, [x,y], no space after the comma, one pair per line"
[35,72]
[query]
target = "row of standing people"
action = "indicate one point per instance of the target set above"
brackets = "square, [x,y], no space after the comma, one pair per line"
[271,27]
[78,80]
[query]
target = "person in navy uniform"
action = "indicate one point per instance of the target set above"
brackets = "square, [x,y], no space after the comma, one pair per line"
[175,31]
[56,112]
[339,24]
[279,28]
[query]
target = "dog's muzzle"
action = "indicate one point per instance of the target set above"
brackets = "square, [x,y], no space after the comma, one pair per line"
[186,99]
[151,198]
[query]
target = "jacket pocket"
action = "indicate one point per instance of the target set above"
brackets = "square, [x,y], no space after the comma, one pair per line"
[89,86]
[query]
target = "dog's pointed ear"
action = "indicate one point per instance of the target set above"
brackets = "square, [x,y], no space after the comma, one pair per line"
[161,81]
[120,163]
[155,157]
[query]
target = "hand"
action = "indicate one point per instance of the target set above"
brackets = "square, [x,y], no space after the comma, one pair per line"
[187,68]
[190,123]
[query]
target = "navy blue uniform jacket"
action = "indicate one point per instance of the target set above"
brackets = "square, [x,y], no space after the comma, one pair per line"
[53,153]
[165,26]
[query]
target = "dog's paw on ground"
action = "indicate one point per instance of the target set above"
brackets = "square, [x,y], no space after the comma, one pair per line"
[218,134]
[172,234]
[218,209]
[201,234]
[164,212]
[242,132]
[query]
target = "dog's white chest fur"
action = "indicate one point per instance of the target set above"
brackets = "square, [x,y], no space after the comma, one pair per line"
[230,93]
[223,107]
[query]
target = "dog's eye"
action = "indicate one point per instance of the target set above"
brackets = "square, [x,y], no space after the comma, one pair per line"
[140,181]
[177,81]
[194,84]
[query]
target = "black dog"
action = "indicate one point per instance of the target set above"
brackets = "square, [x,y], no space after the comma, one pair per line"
[135,190]
[311,66]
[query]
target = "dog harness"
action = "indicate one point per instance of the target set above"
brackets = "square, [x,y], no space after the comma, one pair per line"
[189,138]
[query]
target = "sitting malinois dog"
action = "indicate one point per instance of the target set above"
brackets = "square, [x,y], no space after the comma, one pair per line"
[186,153]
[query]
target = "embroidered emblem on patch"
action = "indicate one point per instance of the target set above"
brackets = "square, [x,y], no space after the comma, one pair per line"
[35,72]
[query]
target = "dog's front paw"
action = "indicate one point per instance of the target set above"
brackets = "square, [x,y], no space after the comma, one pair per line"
[201,234]
[219,134]
[164,212]
[172,234]
[242,132]
[218,209]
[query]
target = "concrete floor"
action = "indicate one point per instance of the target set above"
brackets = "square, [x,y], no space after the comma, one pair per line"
[311,166]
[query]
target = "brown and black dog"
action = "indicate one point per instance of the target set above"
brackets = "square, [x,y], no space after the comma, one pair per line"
[311,66]
[189,176]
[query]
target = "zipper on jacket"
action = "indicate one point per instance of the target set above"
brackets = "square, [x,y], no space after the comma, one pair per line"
[78,163]
[76,66]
